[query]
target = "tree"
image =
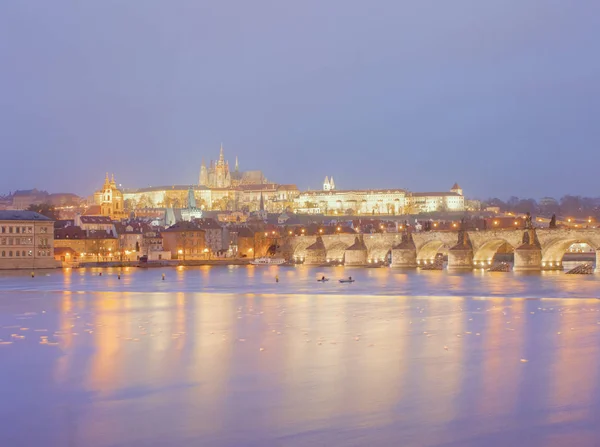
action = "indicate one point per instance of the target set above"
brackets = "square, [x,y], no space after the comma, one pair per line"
[45,209]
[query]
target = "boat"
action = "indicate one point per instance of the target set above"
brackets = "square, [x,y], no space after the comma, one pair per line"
[347,280]
[323,280]
[267,261]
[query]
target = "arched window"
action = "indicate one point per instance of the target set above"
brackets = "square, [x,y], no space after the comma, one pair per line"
[3,253]
[17,253]
[23,253]
[10,253]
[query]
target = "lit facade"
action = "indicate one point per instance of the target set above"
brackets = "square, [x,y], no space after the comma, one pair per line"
[26,241]
[110,199]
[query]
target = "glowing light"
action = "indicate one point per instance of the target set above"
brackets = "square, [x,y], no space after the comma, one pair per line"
[516,223]
[495,222]
[454,225]
[180,251]
[303,230]
[320,230]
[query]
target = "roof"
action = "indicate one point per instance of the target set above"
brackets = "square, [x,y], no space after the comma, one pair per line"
[69,233]
[95,219]
[258,187]
[183,226]
[435,194]
[22,215]
[165,188]
[92,210]
[63,223]
[207,224]
[356,191]
[455,186]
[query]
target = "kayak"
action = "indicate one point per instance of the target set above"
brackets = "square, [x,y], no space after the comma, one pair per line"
[323,280]
[346,280]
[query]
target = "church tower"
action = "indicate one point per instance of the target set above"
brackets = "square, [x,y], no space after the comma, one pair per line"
[203,179]
[457,189]
[326,184]
[331,184]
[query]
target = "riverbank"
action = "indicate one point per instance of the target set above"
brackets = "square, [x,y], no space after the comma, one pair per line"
[170,263]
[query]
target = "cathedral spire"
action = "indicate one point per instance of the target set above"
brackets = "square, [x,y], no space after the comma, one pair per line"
[262,202]
[237,166]
[221,156]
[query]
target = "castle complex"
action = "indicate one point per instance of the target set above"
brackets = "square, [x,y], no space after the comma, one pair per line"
[218,175]
[222,189]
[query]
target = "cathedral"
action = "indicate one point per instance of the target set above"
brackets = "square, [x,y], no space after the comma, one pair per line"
[218,175]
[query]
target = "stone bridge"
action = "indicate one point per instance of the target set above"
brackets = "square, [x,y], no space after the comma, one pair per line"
[534,249]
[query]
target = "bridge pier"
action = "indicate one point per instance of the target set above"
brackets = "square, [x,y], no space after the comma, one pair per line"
[404,258]
[356,254]
[316,254]
[460,258]
[528,258]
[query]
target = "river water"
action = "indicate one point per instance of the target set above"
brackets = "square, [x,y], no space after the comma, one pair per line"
[227,356]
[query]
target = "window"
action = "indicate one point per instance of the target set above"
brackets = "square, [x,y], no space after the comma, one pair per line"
[43,230]
[10,241]
[23,253]
[10,229]
[17,230]
[17,253]
[3,253]
[17,240]
[30,229]
[10,253]
[4,229]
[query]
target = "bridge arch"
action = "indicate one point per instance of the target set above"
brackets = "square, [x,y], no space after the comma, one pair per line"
[300,249]
[553,253]
[484,255]
[335,251]
[427,253]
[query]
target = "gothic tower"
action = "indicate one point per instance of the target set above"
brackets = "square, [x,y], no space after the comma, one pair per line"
[203,180]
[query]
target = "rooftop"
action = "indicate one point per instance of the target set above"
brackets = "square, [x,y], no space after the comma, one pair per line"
[22,215]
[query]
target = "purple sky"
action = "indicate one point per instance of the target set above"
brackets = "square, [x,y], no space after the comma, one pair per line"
[499,95]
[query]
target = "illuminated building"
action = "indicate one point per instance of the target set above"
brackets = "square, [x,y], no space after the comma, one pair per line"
[26,240]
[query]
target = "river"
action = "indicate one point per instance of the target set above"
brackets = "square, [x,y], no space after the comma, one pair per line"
[227,356]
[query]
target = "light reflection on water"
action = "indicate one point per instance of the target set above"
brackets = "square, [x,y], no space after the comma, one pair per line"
[228,357]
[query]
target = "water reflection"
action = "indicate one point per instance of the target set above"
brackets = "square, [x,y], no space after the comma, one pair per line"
[298,363]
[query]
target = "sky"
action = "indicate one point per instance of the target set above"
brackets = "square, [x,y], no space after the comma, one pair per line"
[501,96]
